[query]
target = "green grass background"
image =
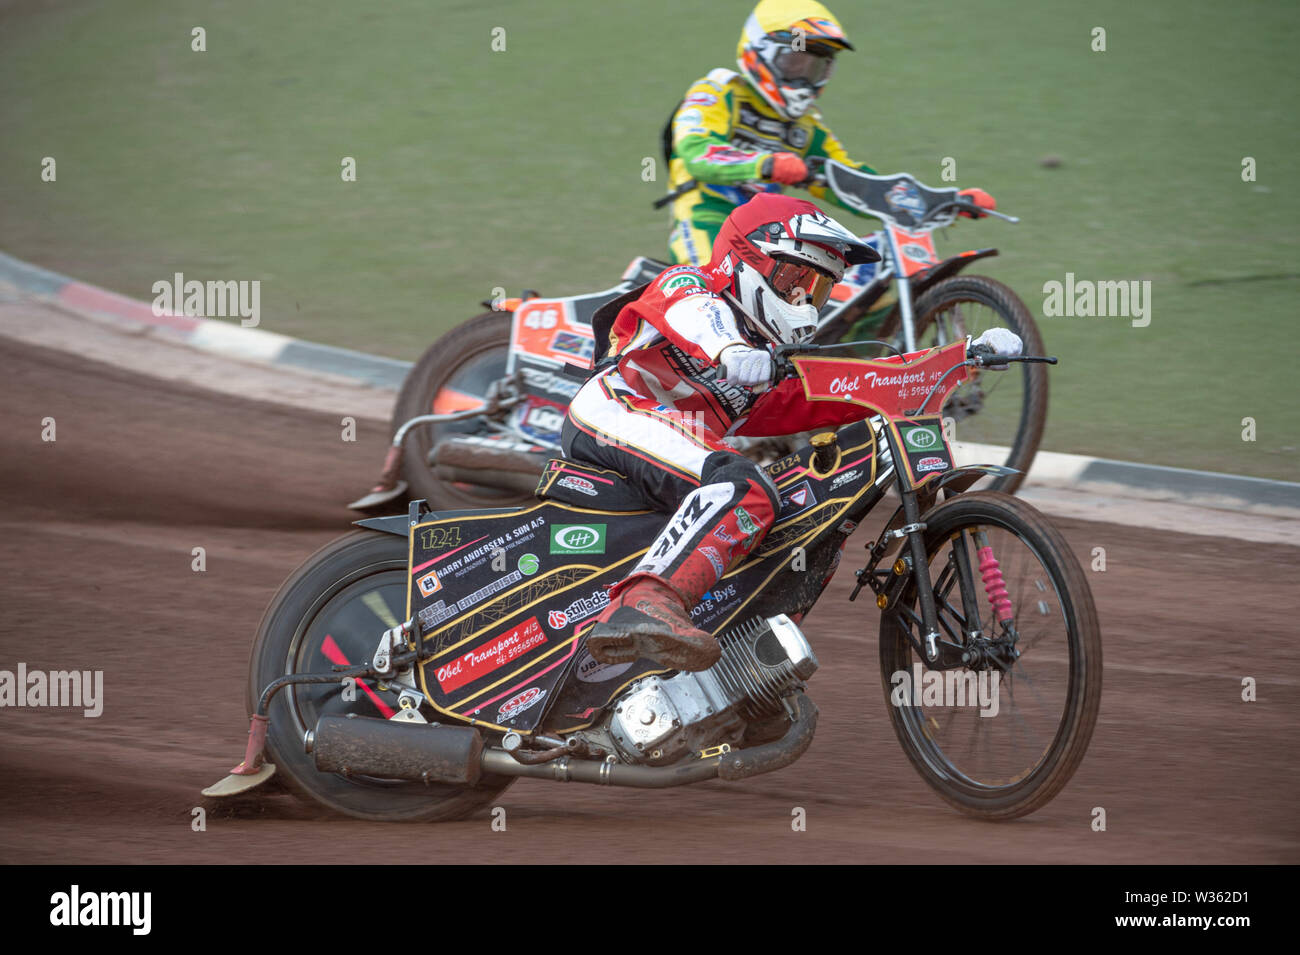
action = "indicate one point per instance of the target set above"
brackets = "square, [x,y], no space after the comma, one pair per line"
[522,168]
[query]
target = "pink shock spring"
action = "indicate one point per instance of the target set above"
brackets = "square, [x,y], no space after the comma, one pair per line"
[994,586]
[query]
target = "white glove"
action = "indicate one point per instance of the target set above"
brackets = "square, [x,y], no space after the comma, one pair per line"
[745,366]
[1003,341]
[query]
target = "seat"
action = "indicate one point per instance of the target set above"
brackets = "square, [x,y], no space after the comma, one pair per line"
[586,485]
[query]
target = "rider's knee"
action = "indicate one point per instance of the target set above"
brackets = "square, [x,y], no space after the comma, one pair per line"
[725,467]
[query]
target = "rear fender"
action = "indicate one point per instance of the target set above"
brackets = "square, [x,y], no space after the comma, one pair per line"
[960,479]
[397,524]
[948,267]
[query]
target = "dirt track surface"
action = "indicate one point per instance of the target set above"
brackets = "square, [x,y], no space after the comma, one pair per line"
[95,572]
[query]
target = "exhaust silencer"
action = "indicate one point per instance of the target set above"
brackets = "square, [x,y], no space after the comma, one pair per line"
[360,746]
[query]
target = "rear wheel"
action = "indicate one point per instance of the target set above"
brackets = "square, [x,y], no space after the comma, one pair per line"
[1037,681]
[998,416]
[452,375]
[333,611]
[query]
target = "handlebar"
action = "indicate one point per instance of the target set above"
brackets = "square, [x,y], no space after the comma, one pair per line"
[818,177]
[981,356]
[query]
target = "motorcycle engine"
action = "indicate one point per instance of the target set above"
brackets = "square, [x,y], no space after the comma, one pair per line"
[659,720]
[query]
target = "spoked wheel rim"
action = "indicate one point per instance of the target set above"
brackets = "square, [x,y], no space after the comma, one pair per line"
[1030,702]
[343,628]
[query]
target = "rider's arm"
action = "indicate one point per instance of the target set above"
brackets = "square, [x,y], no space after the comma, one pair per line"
[702,138]
[824,145]
[686,312]
[784,409]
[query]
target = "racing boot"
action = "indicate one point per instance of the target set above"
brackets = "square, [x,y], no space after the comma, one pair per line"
[648,618]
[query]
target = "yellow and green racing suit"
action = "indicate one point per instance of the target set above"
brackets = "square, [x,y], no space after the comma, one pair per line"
[720,135]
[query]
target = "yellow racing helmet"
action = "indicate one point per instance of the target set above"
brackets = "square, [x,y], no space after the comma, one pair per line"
[787,52]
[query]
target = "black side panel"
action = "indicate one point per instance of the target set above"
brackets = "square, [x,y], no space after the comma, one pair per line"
[500,596]
[588,485]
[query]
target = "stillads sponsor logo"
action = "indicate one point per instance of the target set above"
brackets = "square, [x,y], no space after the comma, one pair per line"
[931,463]
[946,688]
[71,688]
[77,908]
[517,704]
[580,609]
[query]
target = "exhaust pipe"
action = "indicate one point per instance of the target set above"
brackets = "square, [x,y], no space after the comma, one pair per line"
[733,766]
[431,753]
[511,465]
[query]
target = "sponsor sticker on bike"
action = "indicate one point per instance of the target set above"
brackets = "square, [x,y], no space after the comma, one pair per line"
[845,478]
[904,196]
[429,584]
[797,499]
[925,450]
[567,343]
[527,564]
[581,485]
[921,437]
[478,662]
[578,539]
[579,610]
[517,704]
[590,670]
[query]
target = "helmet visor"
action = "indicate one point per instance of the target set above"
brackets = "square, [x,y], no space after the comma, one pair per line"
[814,68]
[800,284]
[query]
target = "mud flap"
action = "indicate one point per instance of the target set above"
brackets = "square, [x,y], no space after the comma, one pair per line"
[235,784]
[253,771]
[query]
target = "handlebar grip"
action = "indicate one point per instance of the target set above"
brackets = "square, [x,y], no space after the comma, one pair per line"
[987,356]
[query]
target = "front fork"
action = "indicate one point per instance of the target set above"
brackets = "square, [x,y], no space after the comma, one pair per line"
[939,653]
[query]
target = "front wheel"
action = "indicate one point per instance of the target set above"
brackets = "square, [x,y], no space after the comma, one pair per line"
[333,611]
[998,416]
[1001,737]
